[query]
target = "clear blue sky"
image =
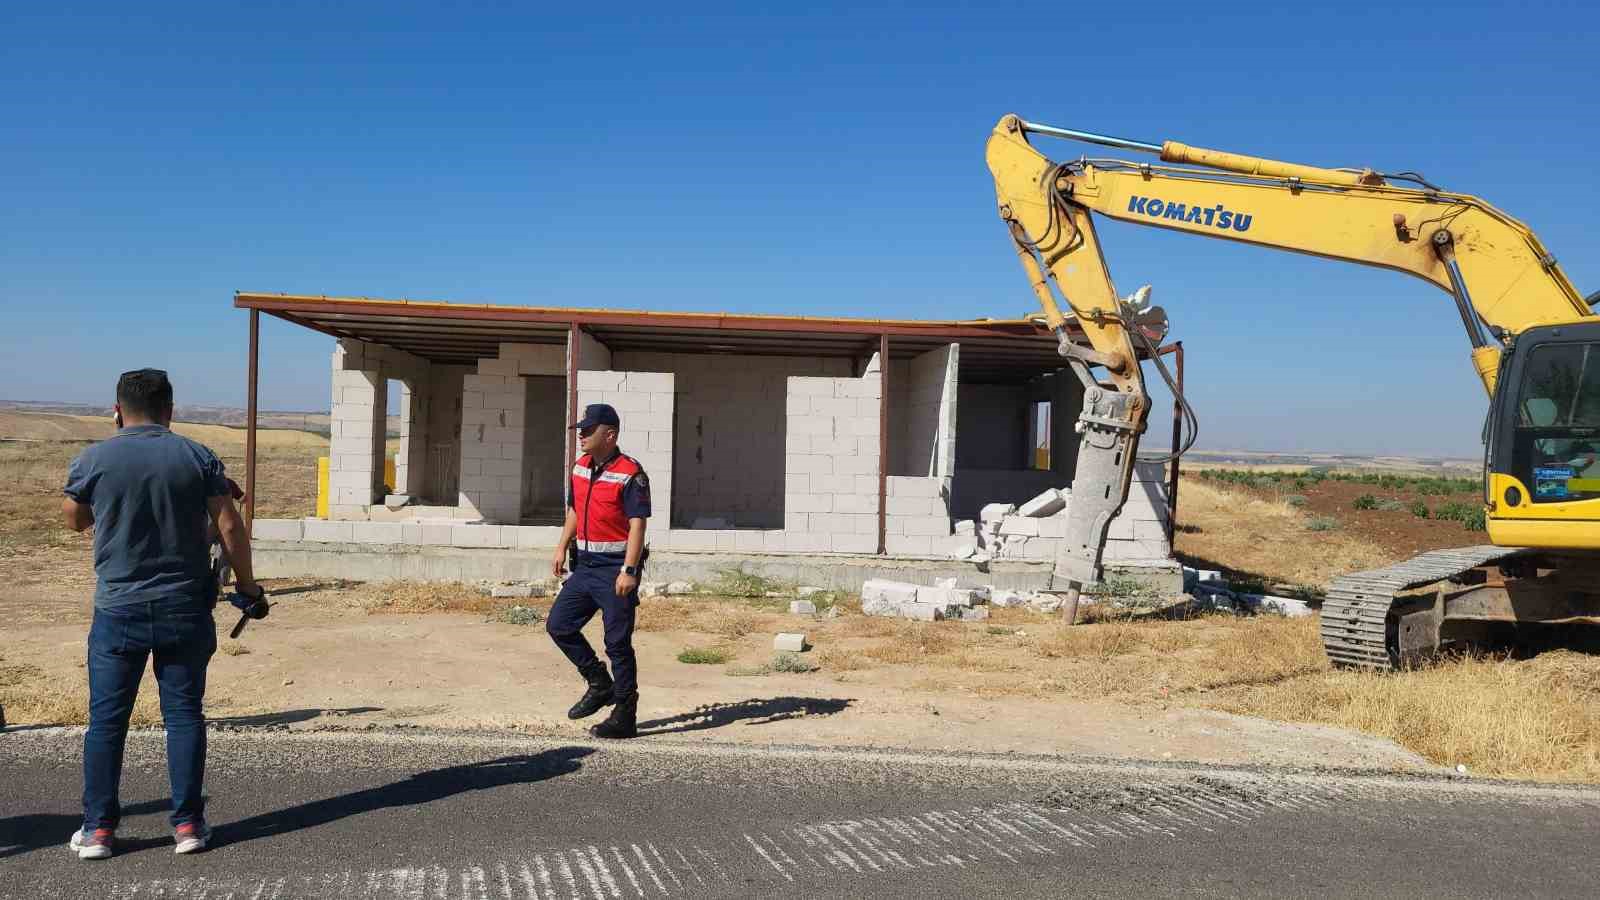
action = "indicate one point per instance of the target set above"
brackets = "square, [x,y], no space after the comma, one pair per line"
[154,158]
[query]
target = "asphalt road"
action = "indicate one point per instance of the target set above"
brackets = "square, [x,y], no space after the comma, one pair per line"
[427,815]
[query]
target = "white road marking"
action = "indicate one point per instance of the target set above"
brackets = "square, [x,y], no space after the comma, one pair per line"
[849,849]
[628,871]
[760,851]
[690,866]
[589,874]
[649,869]
[566,874]
[670,872]
[605,873]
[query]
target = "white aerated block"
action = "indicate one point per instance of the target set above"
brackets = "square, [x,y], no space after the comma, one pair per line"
[1046,504]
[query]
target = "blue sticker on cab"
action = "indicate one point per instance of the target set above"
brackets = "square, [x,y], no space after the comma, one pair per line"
[1551,481]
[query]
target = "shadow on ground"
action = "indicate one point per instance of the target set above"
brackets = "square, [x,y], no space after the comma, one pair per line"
[423,787]
[1245,582]
[27,833]
[750,712]
[36,831]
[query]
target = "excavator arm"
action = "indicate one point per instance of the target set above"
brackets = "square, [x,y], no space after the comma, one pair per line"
[1501,278]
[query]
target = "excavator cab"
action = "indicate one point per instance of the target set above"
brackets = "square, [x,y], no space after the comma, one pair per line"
[1543,453]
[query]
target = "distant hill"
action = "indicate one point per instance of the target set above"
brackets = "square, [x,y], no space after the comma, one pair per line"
[26,426]
[314,422]
[1444,466]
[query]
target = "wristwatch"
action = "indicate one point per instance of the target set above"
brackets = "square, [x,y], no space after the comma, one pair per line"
[630,570]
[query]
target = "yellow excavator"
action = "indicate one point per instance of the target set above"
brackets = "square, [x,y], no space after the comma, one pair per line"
[1535,344]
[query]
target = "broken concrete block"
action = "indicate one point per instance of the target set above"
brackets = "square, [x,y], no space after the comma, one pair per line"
[1004,597]
[994,512]
[802,608]
[1277,606]
[922,612]
[966,528]
[679,588]
[809,591]
[1046,504]
[790,642]
[1046,603]
[1017,525]
[945,596]
[652,589]
[975,614]
[981,558]
[963,549]
[506,591]
[397,501]
[881,597]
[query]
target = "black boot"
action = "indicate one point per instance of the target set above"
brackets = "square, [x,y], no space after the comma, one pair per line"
[598,694]
[620,724]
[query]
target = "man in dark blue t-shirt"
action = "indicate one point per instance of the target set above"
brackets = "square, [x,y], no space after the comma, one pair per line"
[151,496]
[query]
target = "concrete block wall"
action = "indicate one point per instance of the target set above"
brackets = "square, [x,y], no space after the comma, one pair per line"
[493,412]
[922,413]
[644,402]
[1138,533]
[411,461]
[831,463]
[528,359]
[360,375]
[355,444]
[728,445]
[917,522]
[1140,530]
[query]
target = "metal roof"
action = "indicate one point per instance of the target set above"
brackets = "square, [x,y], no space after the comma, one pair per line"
[459,333]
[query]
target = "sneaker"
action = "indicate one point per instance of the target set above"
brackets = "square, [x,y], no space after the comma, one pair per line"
[192,836]
[96,844]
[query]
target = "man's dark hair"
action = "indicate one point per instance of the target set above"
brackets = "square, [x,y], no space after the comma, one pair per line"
[145,393]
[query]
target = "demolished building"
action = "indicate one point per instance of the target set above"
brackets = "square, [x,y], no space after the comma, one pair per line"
[768,435]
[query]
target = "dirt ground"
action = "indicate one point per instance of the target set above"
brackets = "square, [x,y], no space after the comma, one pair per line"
[1210,688]
[325,658]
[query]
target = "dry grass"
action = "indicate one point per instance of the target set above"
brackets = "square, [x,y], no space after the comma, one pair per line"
[663,614]
[729,619]
[1249,534]
[409,597]
[29,696]
[1536,718]
[30,506]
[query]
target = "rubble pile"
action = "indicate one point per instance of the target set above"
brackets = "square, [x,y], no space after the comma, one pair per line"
[1007,531]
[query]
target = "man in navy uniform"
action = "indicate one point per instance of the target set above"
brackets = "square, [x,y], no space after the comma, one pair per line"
[607,505]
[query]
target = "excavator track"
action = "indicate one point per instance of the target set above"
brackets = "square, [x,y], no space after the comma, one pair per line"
[1355,614]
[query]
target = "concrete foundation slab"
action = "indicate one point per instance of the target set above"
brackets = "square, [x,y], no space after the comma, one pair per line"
[834,572]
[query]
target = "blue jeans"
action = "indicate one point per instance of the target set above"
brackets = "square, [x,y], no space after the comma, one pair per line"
[593,589]
[181,634]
